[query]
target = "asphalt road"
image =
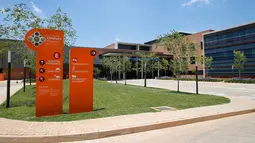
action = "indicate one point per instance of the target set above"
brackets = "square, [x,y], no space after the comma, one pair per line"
[236,129]
[214,88]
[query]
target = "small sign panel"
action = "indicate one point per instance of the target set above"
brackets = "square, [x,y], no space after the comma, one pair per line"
[81,79]
[49,47]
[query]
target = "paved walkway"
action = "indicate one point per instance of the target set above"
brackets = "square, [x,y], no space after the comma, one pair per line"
[23,131]
[14,88]
[236,129]
[96,128]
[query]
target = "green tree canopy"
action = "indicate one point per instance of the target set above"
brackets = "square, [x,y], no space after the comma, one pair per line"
[19,18]
[165,65]
[207,63]
[239,61]
[181,48]
[111,63]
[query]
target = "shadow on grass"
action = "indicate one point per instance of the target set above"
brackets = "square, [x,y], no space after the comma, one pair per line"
[29,103]
[98,109]
[163,89]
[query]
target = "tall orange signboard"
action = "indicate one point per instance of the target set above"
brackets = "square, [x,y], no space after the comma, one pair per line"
[49,47]
[81,65]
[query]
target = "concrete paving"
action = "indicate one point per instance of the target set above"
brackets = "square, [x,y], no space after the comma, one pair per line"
[213,88]
[237,129]
[23,131]
[14,88]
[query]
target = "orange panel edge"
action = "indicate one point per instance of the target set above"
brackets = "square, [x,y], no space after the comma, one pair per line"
[81,86]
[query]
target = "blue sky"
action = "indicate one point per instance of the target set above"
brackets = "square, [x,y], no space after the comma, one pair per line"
[102,22]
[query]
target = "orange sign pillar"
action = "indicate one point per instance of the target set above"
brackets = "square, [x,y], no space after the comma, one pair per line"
[49,47]
[81,65]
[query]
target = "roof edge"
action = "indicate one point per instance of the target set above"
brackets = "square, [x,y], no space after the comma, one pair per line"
[216,31]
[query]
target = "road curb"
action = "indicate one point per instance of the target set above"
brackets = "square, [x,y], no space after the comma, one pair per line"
[122,131]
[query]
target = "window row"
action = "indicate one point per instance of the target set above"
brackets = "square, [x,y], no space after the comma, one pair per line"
[232,48]
[231,61]
[229,64]
[230,54]
[227,35]
[230,70]
[234,39]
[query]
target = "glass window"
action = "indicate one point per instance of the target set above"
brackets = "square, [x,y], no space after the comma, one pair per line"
[192,60]
[253,52]
[144,48]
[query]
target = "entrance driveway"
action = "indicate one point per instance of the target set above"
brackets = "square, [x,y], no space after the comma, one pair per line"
[213,88]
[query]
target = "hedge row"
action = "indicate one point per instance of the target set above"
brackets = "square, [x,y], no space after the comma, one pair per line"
[191,79]
[213,80]
[241,81]
[28,80]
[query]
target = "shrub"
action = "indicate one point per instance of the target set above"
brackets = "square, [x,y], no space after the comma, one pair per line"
[192,79]
[240,81]
[28,80]
[103,79]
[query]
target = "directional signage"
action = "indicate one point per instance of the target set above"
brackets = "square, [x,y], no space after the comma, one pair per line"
[49,47]
[81,79]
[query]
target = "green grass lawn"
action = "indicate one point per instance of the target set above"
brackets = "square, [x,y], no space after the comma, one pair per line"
[109,100]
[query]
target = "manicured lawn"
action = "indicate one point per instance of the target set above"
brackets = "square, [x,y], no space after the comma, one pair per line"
[109,100]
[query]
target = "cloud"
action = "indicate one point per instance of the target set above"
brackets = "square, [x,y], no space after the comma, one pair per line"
[36,8]
[117,38]
[191,2]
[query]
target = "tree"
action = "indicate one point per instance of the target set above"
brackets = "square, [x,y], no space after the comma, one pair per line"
[107,63]
[144,59]
[96,72]
[208,63]
[181,48]
[118,64]
[154,65]
[111,63]
[127,66]
[19,18]
[165,65]
[239,61]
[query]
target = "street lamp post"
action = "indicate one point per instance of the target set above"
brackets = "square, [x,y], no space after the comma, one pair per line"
[158,69]
[196,79]
[145,73]
[30,76]
[116,74]
[125,78]
[8,81]
[24,83]
[232,71]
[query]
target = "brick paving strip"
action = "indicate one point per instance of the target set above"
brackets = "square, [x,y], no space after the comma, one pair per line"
[25,131]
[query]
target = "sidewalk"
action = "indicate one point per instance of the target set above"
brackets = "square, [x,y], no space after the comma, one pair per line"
[14,88]
[24,131]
